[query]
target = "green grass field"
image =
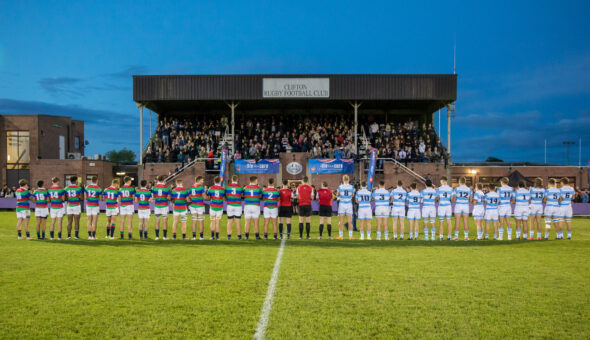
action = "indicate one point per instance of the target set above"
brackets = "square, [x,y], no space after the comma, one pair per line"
[325,289]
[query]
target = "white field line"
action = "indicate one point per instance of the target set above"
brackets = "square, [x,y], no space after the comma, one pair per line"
[270,292]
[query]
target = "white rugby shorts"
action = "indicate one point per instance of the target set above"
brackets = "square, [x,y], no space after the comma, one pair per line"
[92,211]
[143,213]
[23,214]
[271,213]
[73,210]
[364,214]
[345,209]
[505,211]
[521,212]
[536,209]
[161,211]
[57,213]
[112,212]
[382,211]
[398,211]
[127,209]
[215,213]
[428,212]
[41,212]
[491,215]
[251,211]
[553,211]
[414,214]
[566,211]
[234,211]
[198,210]
[478,212]
[461,209]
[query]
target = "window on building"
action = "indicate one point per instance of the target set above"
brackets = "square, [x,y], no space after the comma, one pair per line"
[77,143]
[89,179]
[17,150]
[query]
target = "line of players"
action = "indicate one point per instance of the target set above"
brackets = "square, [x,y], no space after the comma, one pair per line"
[493,207]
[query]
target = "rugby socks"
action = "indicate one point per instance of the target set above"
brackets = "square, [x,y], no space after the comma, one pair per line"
[274,235]
[19,233]
[121,233]
[362,234]
[466,233]
[141,234]
[29,235]
[42,235]
[38,235]
[569,234]
[546,233]
[194,234]
[51,233]
[108,230]
[509,230]
[69,234]
[288,229]
[369,234]
[432,231]
[281,228]
[329,230]
[212,235]
[321,229]
[247,235]
[386,234]
[228,237]
[165,232]
[158,233]
[59,235]
[378,234]
[479,234]
[130,235]
[426,232]
[200,235]
[301,230]
[266,236]
[174,236]
[517,233]
[350,233]
[257,235]
[456,233]
[538,234]
[340,233]
[184,236]
[500,233]
[416,234]
[89,234]
[239,236]
[77,233]
[217,236]
[113,230]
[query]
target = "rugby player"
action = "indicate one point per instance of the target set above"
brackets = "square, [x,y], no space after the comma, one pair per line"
[304,194]
[56,211]
[285,208]
[536,209]
[414,199]
[381,198]
[444,194]
[143,197]
[111,198]
[197,207]
[252,207]
[365,214]
[325,196]
[23,208]
[73,208]
[161,194]
[398,210]
[506,194]
[41,199]
[270,196]
[216,194]
[345,194]
[179,196]
[92,194]
[127,193]
[429,196]
[461,197]
[233,197]
[492,199]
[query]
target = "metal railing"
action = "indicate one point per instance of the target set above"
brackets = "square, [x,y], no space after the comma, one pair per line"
[188,165]
[405,168]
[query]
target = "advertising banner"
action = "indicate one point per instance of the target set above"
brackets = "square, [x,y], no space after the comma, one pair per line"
[372,163]
[330,166]
[250,166]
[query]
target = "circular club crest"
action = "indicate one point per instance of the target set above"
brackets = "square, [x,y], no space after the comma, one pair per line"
[294,168]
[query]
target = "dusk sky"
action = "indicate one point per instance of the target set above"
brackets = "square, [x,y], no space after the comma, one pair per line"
[524,69]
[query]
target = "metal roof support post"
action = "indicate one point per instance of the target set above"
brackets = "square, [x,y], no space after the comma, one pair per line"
[356,106]
[140,133]
[449,143]
[233,106]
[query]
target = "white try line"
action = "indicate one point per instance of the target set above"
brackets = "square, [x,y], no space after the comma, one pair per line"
[272,284]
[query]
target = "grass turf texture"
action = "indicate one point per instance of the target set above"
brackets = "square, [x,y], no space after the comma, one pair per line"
[326,289]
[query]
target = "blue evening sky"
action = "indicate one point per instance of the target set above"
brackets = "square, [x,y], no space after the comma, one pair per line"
[524,67]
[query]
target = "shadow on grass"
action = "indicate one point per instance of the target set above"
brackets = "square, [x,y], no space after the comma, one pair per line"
[324,243]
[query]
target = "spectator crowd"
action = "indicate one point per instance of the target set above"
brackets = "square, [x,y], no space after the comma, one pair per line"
[181,140]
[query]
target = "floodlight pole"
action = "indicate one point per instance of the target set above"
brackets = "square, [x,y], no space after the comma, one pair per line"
[567,144]
[449,107]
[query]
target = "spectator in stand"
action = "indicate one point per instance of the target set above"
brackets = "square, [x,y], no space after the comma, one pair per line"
[4,190]
[403,156]
[585,197]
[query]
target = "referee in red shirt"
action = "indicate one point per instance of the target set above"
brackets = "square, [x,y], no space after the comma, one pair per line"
[304,191]
[325,196]
[285,208]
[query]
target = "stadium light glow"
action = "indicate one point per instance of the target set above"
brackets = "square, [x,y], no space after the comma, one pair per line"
[120,174]
[473,171]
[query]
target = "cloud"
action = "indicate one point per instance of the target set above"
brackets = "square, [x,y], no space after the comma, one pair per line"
[128,72]
[61,85]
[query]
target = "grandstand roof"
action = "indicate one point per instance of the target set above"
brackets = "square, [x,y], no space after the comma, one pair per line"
[424,92]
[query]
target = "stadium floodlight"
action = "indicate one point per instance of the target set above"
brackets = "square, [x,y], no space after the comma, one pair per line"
[567,145]
[473,171]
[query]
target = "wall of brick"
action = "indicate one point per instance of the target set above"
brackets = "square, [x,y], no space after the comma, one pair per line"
[45,169]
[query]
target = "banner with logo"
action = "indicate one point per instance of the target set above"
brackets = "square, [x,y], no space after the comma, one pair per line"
[372,164]
[223,166]
[330,166]
[250,166]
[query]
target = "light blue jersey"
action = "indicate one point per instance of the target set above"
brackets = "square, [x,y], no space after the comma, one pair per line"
[537,195]
[479,197]
[428,197]
[381,197]
[492,200]
[345,192]
[444,194]
[522,196]
[363,196]
[553,195]
[399,195]
[506,194]
[567,193]
[414,198]
[462,194]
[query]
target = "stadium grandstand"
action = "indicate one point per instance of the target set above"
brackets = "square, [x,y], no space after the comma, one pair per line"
[278,116]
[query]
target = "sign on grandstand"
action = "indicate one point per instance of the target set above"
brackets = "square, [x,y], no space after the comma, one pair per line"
[295,87]
[250,166]
[330,166]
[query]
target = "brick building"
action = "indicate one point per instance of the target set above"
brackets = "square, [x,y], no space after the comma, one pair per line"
[38,147]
